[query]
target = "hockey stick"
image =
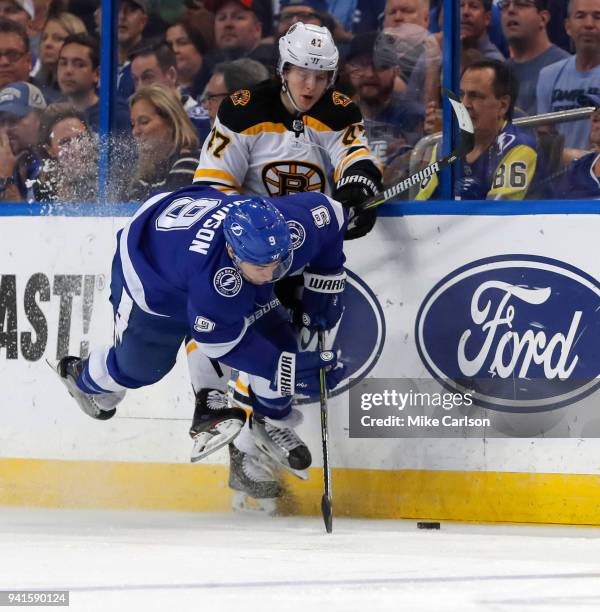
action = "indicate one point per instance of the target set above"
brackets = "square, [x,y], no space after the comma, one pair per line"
[466,141]
[326,499]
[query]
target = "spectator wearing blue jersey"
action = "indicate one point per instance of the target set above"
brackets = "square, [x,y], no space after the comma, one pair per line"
[167,143]
[155,63]
[580,175]
[504,163]
[524,23]
[563,85]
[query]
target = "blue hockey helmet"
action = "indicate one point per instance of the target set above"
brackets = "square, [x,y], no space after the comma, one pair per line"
[258,234]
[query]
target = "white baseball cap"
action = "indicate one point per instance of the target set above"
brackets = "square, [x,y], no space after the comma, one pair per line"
[27,6]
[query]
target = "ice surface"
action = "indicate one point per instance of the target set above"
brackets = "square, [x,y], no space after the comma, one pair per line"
[180,562]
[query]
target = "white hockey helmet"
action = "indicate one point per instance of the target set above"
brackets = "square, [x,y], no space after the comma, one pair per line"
[308,46]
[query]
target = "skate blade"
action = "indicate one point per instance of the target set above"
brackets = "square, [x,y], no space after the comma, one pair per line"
[301,474]
[206,443]
[52,366]
[242,502]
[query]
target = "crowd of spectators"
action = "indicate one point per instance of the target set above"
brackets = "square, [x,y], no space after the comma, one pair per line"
[179,59]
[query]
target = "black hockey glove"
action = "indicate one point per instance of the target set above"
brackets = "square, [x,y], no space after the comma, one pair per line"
[352,191]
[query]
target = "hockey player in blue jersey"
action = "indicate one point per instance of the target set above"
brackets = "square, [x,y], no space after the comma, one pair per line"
[197,262]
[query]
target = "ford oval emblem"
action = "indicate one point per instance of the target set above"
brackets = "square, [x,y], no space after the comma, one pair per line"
[521,331]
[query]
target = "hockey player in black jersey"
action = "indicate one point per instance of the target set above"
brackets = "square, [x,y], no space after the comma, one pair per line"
[299,134]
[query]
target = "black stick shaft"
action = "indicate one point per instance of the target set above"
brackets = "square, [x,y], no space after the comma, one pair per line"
[326,506]
[464,146]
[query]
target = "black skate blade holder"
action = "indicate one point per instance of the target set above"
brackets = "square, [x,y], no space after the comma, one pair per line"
[326,509]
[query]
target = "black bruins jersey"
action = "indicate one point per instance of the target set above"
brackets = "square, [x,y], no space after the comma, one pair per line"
[257,147]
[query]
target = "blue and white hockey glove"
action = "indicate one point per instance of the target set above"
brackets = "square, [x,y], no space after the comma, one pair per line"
[299,372]
[322,299]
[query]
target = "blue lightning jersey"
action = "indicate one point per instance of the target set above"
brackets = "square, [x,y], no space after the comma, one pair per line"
[507,171]
[174,264]
[578,180]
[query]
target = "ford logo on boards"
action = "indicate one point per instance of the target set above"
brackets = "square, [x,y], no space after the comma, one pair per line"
[521,331]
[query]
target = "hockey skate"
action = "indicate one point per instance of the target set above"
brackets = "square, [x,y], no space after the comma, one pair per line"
[254,480]
[101,406]
[215,423]
[278,440]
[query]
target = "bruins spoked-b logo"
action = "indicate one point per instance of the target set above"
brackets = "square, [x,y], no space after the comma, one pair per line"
[241,97]
[285,177]
[340,99]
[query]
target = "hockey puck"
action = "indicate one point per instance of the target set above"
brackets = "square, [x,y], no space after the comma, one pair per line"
[428,525]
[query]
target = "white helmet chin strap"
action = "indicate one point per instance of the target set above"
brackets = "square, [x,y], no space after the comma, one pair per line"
[288,93]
